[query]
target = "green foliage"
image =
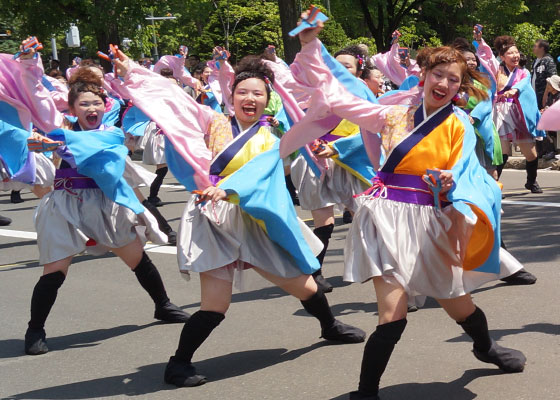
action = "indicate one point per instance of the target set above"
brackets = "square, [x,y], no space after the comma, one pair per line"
[525,35]
[553,35]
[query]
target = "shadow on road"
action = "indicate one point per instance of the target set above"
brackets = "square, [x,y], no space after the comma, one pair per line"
[434,390]
[497,334]
[11,348]
[149,378]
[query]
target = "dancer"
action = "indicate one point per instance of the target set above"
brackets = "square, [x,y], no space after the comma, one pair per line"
[78,209]
[408,241]
[516,113]
[218,239]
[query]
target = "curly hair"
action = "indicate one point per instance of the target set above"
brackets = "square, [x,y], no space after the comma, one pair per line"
[503,44]
[83,81]
[253,67]
[432,57]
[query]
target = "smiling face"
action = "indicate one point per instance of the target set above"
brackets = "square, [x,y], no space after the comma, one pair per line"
[89,108]
[349,62]
[205,75]
[441,84]
[511,57]
[375,81]
[249,101]
[471,60]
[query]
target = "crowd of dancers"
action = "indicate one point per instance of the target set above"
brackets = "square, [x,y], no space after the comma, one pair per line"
[413,164]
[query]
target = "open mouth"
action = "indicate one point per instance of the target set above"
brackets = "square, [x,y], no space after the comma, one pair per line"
[249,110]
[438,94]
[91,119]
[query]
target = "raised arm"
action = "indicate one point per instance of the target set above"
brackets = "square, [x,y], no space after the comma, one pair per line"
[486,56]
[183,121]
[20,80]
[223,73]
[177,65]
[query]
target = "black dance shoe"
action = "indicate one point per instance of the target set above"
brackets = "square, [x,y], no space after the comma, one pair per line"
[182,374]
[534,188]
[15,197]
[343,333]
[156,201]
[5,221]
[35,342]
[356,395]
[323,284]
[508,360]
[347,217]
[169,312]
[521,277]
[172,238]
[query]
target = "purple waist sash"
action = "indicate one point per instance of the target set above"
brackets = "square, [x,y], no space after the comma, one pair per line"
[403,188]
[69,178]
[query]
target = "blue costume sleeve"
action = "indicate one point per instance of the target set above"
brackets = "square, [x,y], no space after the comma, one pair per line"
[101,155]
[261,187]
[473,185]
[483,114]
[351,153]
[135,121]
[528,100]
[111,117]
[181,169]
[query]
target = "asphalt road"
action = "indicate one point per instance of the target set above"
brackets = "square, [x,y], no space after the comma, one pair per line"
[105,344]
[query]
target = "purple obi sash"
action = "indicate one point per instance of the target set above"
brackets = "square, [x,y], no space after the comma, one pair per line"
[69,178]
[402,188]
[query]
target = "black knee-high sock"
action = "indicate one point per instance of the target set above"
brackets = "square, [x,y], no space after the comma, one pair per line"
[500,167]
[156,184]
[150,280]
[162,222]
[476,327]
[318,306]
[377,352]
[531,168]
[195,332]
[291,187]
[43,298]
[324,234]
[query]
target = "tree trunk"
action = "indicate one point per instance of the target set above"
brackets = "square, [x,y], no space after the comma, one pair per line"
[108,33]
[289,15]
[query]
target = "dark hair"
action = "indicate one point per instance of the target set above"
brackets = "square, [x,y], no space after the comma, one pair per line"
[503,44]
[522,60]
[253,67]
[543,44]
[55,73]
[357,52]
[445,55]
[166,72]
[82,81]
[200,67]
[463,45]
[368,70]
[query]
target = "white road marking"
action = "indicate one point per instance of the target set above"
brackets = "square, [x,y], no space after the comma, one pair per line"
[531,203]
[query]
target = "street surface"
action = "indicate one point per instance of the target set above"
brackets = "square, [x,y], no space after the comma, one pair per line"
[105,344]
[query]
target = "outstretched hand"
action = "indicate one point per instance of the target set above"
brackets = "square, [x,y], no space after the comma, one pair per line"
[122,63]
[308,35]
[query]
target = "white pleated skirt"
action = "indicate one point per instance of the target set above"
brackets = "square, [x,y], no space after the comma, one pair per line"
[154,146]
[136,175]
[224,241]
[510,123]
[415,247]
[336,186]
[64,222]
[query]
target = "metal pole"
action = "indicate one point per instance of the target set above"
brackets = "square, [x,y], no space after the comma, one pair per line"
[154,38]
[141,47]
[53,45]
[328,5]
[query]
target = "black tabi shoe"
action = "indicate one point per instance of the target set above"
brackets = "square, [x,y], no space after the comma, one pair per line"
[5,221]
[356,395]
[347,217]
[35,342]
[169,312]
[412,308]
[508,360]
[172,238]
[521,277]
[343,333]
[15,197]
[534,188]
[156,201]
[323,284]
[182,374]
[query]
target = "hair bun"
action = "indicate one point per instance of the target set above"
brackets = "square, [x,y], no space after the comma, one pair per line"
[503,43]
[87,76]
[254,66]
